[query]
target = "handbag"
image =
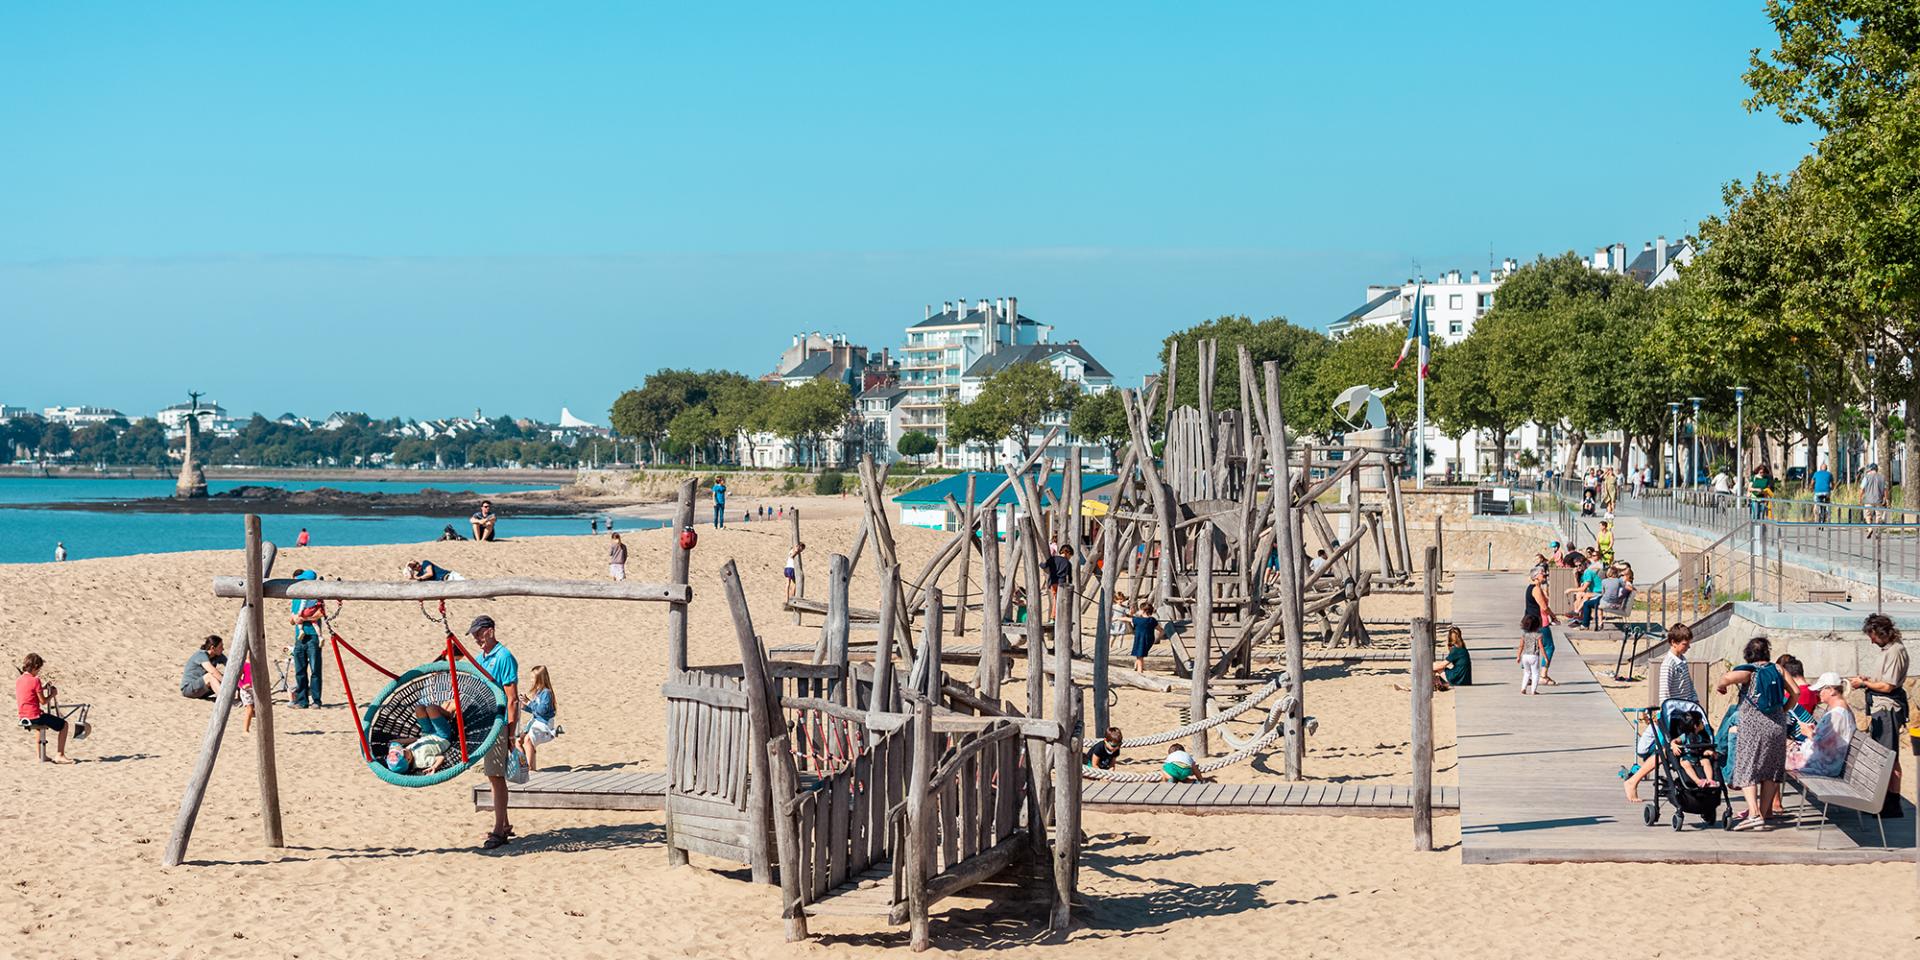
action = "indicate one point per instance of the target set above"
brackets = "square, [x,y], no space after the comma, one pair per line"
[516,766]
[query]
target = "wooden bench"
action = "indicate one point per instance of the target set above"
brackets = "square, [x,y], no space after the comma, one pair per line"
[1828,596]
[1860,787]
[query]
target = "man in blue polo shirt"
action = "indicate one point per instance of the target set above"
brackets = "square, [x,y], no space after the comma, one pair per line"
[498,662]
[1822,480]
[305,617]
[719,503]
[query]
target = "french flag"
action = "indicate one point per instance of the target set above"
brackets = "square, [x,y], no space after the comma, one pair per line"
[1417,333]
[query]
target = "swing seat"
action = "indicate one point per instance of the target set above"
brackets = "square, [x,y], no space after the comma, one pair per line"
[389,717]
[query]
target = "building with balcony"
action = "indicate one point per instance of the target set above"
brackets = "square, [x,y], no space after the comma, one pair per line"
[943,346]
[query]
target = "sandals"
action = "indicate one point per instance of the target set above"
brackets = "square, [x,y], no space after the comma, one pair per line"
[497,839]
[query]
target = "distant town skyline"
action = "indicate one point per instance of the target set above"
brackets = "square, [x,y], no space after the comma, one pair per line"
[364,208]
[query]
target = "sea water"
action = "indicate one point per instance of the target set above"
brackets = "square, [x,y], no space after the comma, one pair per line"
[29,536]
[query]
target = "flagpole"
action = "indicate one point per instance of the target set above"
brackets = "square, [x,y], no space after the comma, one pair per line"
[1420,427]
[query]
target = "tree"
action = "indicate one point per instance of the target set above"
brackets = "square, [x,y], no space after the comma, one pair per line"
[695,429]
[913,443]
[1014,403]
[808,412]
[1295,349]
[1102,419]
[1481,385]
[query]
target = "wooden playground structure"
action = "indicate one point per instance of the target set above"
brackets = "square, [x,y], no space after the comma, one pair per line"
[865,780]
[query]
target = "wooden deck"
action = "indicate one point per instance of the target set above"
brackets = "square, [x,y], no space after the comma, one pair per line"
[969,654]
[1538,773]
[621,790]
[1310,798]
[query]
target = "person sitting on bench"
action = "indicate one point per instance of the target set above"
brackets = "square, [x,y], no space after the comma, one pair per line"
[36,705]
[1824,751]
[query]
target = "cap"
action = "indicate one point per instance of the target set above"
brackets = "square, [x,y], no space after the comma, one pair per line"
[481,622]
[1830,679]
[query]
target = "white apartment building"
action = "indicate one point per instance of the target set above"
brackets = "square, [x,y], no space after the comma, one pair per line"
[1072,363]
[8,412]
[1454,303]
[941,348]
[81,416]
[213,419]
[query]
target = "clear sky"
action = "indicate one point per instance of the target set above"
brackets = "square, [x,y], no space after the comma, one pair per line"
[419,209]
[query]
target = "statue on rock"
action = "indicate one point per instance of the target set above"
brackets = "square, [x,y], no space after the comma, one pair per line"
[192,483]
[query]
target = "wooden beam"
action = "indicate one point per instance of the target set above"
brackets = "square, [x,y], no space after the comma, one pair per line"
[838,569]
[1202,637]
[1066,753]
[1287,540]
[196,791]
[679,570]
[992,626]
[1423,733]
[671,593]
[799,558]
[966,562]
[762,710]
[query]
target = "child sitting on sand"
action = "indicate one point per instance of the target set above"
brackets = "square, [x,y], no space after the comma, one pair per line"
[1180,767]
[1105,752]
[541,708]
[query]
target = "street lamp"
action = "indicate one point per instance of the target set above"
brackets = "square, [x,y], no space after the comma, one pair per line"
[1693,469]
[1673,407]
[1739,437]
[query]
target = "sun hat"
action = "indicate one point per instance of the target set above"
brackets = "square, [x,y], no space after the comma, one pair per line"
[1830,679]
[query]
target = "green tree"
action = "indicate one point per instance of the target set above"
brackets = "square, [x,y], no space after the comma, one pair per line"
[1102,418]
[807,413]
[1014,403]
[913,443]
[1481,385]
[1296,349]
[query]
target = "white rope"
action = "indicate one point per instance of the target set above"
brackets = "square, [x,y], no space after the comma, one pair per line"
[1270,731]
[1251,700]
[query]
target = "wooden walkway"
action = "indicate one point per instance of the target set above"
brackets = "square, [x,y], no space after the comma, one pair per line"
[621,790]
[969,654]
[1538,774]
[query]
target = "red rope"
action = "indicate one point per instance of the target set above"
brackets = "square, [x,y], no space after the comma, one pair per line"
[453,676]
[353,709]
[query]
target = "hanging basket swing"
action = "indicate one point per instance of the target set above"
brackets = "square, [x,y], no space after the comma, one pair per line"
[479,711]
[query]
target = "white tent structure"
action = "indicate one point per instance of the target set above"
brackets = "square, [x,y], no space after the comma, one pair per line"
[570,422]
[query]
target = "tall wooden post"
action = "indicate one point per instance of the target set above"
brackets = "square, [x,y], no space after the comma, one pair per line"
[216,728]
[1037,805]
[883,681]
[919,839]
[763,705]
[1440,542]
[966,561]
[679,564]
[992,626]
[1066,754]
[1287,541]
[257,650]
[1423,733]
[799,560]
[1102,631]
[839,690]
[1202,633]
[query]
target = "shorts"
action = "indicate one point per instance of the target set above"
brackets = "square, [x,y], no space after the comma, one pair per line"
[1644,747]
[540,731]
[46,720]
[618,571]
[201,692]
[1884,728]
[789,573]
[246,695]
[1177,772]
[494,764]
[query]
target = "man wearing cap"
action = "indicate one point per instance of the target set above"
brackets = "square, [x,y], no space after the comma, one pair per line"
[1824,751]
[498,662]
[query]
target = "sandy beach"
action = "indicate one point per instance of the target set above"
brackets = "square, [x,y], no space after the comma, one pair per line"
[372,870]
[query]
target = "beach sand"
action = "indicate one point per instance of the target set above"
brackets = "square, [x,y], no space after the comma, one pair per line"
[372,870]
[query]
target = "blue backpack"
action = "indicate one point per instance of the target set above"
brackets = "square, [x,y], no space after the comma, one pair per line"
[1768,689]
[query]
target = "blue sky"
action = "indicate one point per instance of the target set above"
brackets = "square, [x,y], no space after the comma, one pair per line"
[421,209]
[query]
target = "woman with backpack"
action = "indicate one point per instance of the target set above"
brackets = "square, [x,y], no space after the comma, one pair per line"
[1760,744]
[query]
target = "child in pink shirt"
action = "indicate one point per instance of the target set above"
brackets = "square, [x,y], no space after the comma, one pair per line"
[33,699]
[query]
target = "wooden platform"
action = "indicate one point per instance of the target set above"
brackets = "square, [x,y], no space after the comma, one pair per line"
[1538,774]
[1323,799]
[581,790]
[969,654]
[619,790]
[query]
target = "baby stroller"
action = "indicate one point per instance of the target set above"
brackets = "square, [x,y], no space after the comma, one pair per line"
[1586,502]
[1673,777]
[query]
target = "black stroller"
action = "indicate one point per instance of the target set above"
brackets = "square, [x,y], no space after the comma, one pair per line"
[1586,502]
[1674,781]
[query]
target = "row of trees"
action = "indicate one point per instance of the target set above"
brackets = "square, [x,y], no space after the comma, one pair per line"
[700,416]
[359,440]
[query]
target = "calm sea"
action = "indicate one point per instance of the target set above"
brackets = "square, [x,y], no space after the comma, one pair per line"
[28,536]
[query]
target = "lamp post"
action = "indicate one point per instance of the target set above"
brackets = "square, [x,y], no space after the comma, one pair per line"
[1693,470]
[1739,436]
[1673,407]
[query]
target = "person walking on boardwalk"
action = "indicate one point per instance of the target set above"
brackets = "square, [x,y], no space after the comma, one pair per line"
[1873,495]
[1887,706]
[1528,653]
[719,503]
[1540,605]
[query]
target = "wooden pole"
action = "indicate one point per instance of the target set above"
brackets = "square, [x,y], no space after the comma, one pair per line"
[883,682]
[216,730]
[966,562]
[1202,634]
[762,704]
[925,677]
[799,561]
[1287,540]
[919,823]
[992,626]
[679,565]
[1110,546]
[1422,734]
[269,775]
[1439,541]
[1066,753]
[838,568]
